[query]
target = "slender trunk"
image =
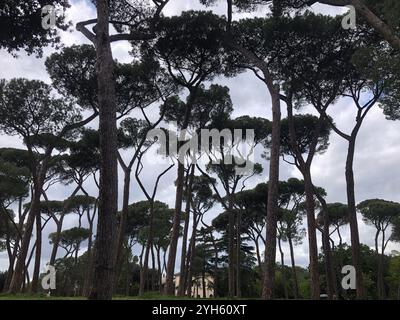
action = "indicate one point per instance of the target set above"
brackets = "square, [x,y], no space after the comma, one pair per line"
[192,250]
[382,294]
[90,260]
[283,269]
[159,269]
[294,271]
[203,277]
[272,205]
[351,202]
[231,248]
[329,267]
[18,275]
[169,284]
[258,253]
[122,223]
[153,266]
[38,254]
[181,288]
[215,286]
[127,276]
[149,243]
[238,242]
[312,234]
[104,268]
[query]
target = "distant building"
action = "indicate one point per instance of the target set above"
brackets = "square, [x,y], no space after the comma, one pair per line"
[197,285]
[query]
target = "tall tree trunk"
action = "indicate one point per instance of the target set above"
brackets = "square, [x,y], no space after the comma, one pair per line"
[381,286]
[145,268]
[351,202]
[122,223]
[18,275]
[38,254]
[294,271]
[169,284]
[283,269]
[231,248]
[153,266]
[191,255]
[238,243]
[312,234]
[181,288]
[329,265]
[104,268]
[203,276]
[159,269]
[90,259]
[272,205]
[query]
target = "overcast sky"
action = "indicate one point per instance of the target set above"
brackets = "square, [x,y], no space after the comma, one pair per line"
[376,161]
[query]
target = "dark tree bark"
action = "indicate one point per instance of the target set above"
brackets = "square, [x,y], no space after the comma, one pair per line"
[169,284]
[149,244]
[351,202]
[312,235]
[283,268]
[104,268]
[183,269]
[238,243]
[231,247]
[272,205]
[294,271]
[18,275]
[38,254]
[329,263]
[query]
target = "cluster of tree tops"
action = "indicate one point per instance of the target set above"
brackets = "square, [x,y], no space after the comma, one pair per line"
[303,59]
